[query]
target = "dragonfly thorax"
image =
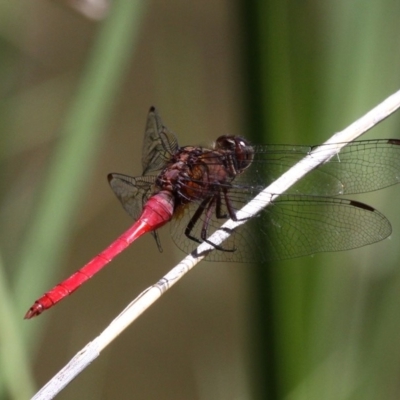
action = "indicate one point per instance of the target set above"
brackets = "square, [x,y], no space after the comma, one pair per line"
[197,173]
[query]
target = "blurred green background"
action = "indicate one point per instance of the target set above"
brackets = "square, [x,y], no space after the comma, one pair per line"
[76,82]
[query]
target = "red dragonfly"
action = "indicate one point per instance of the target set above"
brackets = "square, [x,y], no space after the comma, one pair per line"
[203,187]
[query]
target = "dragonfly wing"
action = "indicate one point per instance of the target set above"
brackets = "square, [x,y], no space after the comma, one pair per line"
[292,226]
[364,166]
[361,166]
[159,144]
[302,225]
[132,192]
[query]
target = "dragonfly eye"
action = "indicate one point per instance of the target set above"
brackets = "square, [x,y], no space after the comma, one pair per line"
[242,152]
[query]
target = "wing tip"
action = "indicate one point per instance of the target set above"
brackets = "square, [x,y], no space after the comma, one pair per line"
[110,177]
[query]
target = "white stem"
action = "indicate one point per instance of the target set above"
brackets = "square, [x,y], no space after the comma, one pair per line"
[150,295]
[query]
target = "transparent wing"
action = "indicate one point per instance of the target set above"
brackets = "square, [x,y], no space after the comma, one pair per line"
[360,167]
[159,144]
[132,192]
[292,226]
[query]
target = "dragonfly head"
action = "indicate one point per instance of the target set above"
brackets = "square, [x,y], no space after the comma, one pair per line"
[242,153]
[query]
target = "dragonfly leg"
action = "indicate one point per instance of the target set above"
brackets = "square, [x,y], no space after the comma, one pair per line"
[157,238]
[215,203]
[194,219]
[208,206]
[231,210]
[229,206]
[218,212]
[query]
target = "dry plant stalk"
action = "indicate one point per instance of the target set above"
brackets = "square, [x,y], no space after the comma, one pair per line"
[330,149]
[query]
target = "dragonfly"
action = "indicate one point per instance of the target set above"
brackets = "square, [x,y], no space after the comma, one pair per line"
[198,188]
